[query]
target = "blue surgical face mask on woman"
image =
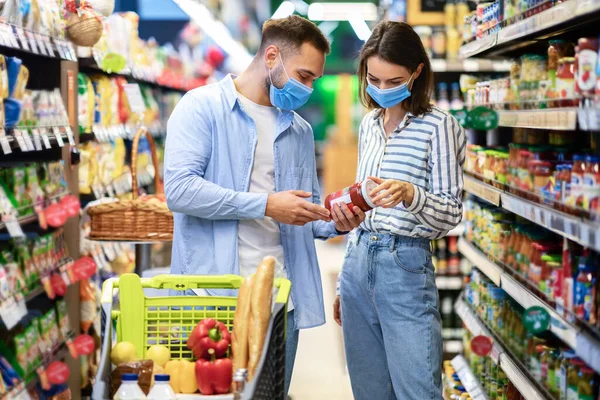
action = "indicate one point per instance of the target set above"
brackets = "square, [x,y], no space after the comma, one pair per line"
[387,98]
[292,95]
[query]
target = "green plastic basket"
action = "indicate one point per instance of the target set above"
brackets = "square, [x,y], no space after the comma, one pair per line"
[168,320]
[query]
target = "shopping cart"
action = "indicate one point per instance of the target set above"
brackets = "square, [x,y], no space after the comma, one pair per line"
[168,320]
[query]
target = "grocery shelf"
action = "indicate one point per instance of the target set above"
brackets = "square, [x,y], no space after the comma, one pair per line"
[449,282]
[31,218]
[502,356]
[18,38]
[565,16]
[476,257]
[563,330]
[92,64]
[467,378]
[476,326]
[469,65]
[582,231]
[453,346]
[521,382]
[43,139]
[586,347]
[560,119]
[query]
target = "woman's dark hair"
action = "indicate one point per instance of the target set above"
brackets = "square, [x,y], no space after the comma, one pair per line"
[397,43]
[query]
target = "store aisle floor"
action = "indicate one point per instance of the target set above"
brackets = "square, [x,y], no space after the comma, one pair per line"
[320,371]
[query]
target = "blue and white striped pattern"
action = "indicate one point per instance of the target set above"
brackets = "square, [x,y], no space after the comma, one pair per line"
[426,150]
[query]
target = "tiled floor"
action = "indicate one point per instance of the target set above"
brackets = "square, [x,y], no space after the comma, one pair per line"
[320,371]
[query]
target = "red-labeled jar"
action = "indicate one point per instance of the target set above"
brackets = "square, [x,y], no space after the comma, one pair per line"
[587,60]
[355,195]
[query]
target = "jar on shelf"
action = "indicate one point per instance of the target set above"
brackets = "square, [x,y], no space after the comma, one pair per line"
[488,168]
[541,176]
[562,187]
[550,262]
[523,176]
[565,82]
[586,66]
[591,184]
[425,33]
[438,42]
[500,169]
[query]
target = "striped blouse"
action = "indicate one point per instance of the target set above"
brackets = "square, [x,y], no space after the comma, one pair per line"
[426,150]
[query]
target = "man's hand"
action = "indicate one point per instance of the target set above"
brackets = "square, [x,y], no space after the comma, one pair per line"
[346,220]
[391,192]
[291,208]
[337,315]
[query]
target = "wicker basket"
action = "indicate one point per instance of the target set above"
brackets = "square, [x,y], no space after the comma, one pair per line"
[145,219]
[85,30]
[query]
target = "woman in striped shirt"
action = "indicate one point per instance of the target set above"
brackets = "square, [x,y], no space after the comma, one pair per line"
[414,152]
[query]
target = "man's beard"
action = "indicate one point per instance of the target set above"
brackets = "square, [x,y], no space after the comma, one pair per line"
[278,77]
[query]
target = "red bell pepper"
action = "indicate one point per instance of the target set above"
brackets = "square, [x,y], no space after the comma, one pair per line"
[214,376]
[209,334]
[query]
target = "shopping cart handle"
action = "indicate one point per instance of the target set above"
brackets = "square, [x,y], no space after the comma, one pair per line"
[186,282]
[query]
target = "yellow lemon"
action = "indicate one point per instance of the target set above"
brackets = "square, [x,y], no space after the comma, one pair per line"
[123,352]
[159,354]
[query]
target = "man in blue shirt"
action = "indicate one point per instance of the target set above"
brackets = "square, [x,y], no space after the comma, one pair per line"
[240,173]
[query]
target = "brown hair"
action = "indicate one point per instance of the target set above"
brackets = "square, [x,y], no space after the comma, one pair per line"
[292,32]
[397,43]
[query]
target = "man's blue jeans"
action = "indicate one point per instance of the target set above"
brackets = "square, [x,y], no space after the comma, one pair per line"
[390,318]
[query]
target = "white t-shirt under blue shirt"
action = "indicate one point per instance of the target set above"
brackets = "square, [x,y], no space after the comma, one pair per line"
[258,238]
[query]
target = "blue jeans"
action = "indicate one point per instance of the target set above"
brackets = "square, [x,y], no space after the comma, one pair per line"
[390,318]
[291,345]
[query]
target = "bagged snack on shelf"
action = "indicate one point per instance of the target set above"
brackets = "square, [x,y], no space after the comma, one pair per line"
[33,352]
[63,317]
[22,352]
[3,78]
[23,257]
[86,103]
[16,281]
[12,12]
[88,168]
[52,326]
[88,304]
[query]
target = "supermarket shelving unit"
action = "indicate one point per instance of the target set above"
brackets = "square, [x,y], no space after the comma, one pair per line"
[567,16]
[52,64]
[515,371]
[570,19]
[580,230]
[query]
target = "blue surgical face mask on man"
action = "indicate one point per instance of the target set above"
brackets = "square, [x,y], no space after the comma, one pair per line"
[387,98]
[292,95]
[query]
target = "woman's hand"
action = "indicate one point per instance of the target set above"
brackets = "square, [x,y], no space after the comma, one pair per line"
[346,220]
[337,315]
[391,192]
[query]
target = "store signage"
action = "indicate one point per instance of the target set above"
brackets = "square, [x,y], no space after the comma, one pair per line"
[483,119]
[481,345]
[56,216]
[57,373]
[461,116]
[84,344]
[71,205]
[59,285]
[84,268]
[536,320]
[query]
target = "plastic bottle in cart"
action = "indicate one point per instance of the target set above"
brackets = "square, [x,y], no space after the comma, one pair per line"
[129,389]
[162,389]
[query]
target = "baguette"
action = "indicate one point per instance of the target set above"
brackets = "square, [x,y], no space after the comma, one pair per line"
[241,322]
[260,311]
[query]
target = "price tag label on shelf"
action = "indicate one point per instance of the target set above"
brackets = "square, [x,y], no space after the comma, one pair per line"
[32,42]
[58,47]
[22,38]
[4,143]
[98,191]
[41,44]
[134,95]
[49,47]
[37,139]
[109,251]
[10,313]
[45,138]
[471,65]
[482,190]
[58,136]
[587,6]
[70,135]
[28,140]
[20,140]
